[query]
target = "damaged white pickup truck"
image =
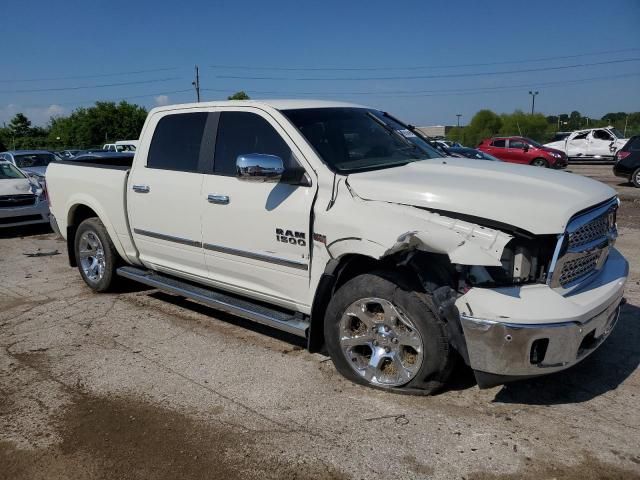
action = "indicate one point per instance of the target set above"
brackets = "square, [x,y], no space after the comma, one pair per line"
[339,224]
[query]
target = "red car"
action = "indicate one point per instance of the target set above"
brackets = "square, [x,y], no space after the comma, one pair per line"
[523,150]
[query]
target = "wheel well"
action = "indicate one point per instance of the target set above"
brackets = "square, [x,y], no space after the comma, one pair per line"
[77,215]
[339,272]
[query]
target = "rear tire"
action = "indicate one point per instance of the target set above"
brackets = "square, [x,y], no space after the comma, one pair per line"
[539,162]
[383,333]
[635,178]
[96,256]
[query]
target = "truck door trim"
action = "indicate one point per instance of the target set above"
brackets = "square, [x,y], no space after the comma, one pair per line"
[168,238]
[257,256]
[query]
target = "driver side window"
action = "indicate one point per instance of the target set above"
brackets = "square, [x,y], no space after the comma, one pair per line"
[602,135]
[241,133]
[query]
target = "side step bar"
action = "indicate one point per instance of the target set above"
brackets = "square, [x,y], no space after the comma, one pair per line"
[290,322]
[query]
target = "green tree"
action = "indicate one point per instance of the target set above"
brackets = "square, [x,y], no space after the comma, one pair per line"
[103,123]
[241,95]
[20,125]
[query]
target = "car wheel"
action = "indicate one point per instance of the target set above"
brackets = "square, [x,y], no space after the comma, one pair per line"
[540,162]
[382,333]
[635,178]
[96,256]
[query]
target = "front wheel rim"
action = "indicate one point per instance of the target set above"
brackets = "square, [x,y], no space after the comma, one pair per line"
[380,342]
[539,163]
[637,177]
[91,253]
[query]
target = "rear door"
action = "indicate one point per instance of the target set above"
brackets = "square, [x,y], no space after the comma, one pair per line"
[256,240]
[497,148]
[164,199]
[577,144]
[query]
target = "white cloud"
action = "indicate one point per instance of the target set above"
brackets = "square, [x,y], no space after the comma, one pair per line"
[39,116]
[161,100]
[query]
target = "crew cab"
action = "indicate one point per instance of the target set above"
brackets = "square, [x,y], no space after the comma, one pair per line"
[591,144]
[331,222]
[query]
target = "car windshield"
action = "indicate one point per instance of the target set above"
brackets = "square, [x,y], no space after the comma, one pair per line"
[8,171]
[34,160]
[617,133]
[356,139]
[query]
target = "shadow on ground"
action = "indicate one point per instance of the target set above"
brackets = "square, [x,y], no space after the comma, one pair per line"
[25,231]
[604,370]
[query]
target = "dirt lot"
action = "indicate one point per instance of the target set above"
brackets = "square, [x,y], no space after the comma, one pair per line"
[144,385]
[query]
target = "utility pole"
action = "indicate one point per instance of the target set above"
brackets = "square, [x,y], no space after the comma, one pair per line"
[458,115]
[196,84]
[626,119]
[533,100]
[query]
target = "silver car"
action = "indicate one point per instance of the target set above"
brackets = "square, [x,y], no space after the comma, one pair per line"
[23,201]
[32,162]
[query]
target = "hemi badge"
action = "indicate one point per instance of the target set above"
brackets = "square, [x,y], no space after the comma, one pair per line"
[318,237]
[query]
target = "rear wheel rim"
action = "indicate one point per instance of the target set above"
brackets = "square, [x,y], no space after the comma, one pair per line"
[91,253]
[636,177]
[380,342]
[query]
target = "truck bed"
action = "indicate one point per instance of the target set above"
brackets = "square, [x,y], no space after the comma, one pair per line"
[99,185]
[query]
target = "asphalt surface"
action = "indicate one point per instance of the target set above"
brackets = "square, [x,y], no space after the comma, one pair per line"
[141,384]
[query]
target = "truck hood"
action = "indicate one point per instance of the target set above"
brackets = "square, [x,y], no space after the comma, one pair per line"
[538,200]
[14,186]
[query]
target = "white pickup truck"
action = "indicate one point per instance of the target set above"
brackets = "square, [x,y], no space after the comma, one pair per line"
[336,223]
[591,144]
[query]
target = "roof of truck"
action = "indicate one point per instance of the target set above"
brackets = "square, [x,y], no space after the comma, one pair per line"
[278,104]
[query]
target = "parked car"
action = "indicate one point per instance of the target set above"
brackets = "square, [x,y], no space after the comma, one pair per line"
[591,144]
[318,219]
[33,162]
[473,153]
[66,154]
[628,161]
[22,200]
[523,150]
[448,143]
[121,146]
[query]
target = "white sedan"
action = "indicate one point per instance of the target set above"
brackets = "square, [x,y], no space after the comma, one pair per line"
[22,200]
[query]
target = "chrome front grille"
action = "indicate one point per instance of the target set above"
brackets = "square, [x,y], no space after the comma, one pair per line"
[598,228]
[584,247]
[575,269]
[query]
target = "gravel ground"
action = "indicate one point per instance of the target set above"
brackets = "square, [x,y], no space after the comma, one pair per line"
[145,385]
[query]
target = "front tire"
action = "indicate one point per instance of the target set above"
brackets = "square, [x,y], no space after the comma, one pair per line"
[635,178]
[383,333]
[96,256]
[539,162]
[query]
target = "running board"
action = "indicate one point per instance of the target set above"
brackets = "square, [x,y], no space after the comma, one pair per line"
[290,322]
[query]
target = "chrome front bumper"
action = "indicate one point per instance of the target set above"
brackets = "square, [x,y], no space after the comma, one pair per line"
[515,347]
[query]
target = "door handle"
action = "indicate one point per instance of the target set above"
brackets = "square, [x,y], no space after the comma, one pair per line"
[219,199]
[141,188]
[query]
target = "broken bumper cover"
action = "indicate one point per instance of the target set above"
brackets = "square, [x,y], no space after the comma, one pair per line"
[535,330]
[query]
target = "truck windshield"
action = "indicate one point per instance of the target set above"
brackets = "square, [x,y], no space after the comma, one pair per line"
[617,133]
[357,139]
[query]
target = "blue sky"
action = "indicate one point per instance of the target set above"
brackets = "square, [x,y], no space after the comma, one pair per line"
[353,47]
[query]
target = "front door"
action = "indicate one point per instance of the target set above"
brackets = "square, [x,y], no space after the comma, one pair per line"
[256,235]
[599,143]
[516,151]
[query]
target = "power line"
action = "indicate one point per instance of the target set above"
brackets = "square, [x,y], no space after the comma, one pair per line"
[82,87]
[98,75]
[446,75]
[129,97]
[420,67]
[416,93]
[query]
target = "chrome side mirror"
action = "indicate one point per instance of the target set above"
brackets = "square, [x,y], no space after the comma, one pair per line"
[259,167]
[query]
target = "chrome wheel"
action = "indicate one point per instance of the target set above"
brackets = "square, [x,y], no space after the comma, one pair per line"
[380,342]
[539,162]
[92,258]
[636,178]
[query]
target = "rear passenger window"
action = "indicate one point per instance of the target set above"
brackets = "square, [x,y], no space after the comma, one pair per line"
[240,133]
[176,142]
[500,143]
